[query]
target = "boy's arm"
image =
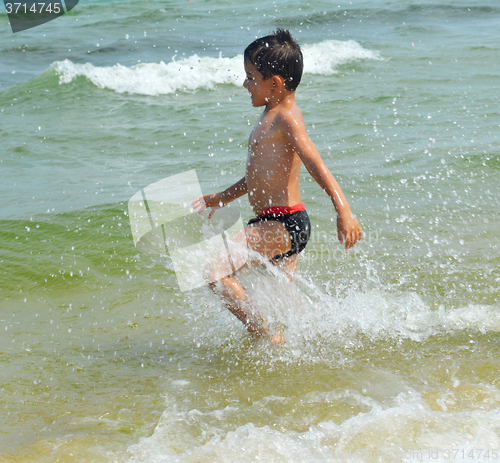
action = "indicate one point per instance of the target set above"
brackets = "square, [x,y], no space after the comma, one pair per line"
[217,200]
[347,225]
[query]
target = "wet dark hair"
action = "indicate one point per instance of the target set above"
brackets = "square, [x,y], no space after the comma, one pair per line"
[277,54]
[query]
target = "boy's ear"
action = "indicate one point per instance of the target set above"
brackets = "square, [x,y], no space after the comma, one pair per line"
[278,83]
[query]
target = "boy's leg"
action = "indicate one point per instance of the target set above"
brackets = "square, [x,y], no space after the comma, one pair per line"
[234,296]
[268,239]
[288,265]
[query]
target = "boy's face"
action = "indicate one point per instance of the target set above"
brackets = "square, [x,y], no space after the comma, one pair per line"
[259,88]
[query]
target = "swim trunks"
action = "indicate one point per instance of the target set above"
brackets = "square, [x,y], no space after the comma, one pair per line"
[295,220]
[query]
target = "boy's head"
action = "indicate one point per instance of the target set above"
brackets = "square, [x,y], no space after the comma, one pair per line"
[277,54]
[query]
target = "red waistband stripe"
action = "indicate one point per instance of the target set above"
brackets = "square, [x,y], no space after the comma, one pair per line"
[283,210]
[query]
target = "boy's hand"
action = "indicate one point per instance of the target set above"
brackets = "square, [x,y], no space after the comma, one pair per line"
[203,202]
[349,230]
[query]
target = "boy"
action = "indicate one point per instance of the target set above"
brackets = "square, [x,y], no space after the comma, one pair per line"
[277,147]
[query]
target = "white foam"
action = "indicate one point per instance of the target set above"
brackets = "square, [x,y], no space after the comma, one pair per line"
[195,72]
[155,79]
[324,57]
[406,429]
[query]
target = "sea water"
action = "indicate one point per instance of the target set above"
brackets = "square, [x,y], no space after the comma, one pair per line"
[391,349]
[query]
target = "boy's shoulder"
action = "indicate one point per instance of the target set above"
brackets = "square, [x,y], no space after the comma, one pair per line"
[289,118]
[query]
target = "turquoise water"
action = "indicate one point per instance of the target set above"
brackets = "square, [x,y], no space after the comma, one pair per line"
[391,350]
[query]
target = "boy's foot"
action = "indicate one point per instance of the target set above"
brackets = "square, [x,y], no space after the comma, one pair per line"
[278,338]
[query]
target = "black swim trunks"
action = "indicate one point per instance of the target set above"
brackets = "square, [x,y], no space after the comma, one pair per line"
[297,224]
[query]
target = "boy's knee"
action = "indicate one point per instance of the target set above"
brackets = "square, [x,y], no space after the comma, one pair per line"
[213,277]
[217,268]
[221,285]
[213,285]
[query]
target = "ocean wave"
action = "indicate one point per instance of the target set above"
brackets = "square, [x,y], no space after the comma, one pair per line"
[195,72]
[411,427]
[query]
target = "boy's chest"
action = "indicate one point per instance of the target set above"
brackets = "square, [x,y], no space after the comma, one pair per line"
[266,132]
[268,151]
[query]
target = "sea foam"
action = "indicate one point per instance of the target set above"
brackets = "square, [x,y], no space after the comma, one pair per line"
[405,429]
[195,72]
